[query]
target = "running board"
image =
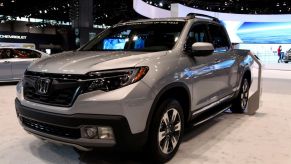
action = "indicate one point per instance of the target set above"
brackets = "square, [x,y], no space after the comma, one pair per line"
[203,117]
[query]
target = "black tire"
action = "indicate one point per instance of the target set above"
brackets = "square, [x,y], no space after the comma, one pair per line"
[286,61]
[240,103]
[166,137]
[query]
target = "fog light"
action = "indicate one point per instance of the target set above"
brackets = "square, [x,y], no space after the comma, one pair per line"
[91,132]
[105,133]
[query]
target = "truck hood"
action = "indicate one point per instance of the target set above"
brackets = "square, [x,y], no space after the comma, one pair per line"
[81,62]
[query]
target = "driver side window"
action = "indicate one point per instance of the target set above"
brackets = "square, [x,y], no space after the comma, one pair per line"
[198,33]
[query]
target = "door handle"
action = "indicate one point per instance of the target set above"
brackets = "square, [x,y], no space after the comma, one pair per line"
[6,61]
[217,60]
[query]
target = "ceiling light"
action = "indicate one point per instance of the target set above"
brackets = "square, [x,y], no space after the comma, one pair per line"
[161,4]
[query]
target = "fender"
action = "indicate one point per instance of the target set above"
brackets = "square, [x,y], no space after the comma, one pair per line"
[245,67]
[158,98]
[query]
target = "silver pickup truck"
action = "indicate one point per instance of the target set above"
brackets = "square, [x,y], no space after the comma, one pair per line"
[136,85]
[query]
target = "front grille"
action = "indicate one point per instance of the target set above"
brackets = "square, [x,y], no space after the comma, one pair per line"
[51,129]
[62,91]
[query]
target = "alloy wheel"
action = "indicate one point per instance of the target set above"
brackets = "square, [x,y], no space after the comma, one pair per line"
[244,94]
[169,131]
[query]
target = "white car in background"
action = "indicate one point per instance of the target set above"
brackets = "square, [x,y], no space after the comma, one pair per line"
[14,61]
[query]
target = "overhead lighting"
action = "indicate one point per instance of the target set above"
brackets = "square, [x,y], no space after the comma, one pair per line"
[12,1]
[161,4]
[40,11]
[1,4]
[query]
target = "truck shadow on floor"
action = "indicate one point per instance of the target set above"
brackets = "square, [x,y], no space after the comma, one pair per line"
[8,83]
[197,140]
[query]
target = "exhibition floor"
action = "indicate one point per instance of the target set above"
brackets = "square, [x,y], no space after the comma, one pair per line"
[227,139]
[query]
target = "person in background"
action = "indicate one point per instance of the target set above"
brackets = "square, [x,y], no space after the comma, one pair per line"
[279,54]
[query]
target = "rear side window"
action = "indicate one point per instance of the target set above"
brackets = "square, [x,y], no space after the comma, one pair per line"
[219,38]
[24,53]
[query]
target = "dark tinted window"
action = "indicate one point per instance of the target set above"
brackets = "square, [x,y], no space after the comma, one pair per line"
[6,53]
[141,36]
[219,38]
[198,33]
[24,53]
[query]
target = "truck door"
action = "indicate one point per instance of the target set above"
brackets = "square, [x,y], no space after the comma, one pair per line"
[225,65]
[203,77]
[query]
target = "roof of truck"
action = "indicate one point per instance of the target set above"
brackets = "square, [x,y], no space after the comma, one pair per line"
[199,17]
[181,19]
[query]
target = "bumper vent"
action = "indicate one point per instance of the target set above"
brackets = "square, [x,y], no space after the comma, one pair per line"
[51,129]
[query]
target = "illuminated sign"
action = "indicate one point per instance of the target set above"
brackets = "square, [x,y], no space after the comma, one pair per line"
[259,32]
[18,37]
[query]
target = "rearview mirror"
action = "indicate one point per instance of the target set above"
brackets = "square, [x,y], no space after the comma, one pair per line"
[202,49]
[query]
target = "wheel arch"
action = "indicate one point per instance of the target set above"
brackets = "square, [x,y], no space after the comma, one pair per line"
[175,90]
[245,73]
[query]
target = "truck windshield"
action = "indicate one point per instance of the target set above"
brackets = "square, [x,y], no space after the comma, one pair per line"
[146,36]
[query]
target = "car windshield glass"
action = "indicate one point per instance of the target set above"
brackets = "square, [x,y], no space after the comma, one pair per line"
[146,36]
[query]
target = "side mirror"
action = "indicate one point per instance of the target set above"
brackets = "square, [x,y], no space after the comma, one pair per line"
[202,49]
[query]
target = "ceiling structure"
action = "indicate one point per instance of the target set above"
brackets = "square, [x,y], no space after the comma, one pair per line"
[231,6]
[104,11]
[109,12]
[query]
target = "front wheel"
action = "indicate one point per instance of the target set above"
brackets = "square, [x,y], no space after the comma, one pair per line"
[240,103]
[166,131]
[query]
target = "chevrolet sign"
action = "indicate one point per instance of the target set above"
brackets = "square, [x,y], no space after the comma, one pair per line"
[19,37]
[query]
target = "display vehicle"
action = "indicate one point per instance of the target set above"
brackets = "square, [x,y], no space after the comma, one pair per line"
[14,61]
[287,56]
[137,85]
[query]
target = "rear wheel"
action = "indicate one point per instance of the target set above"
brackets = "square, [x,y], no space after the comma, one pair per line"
[166,131]
[240,103]
[286,61]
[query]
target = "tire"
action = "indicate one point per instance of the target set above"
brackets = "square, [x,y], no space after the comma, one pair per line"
[240,103]
[165,134]
[286,61]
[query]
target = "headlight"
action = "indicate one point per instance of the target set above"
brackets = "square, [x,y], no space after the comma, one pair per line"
[114,79]
[19,87]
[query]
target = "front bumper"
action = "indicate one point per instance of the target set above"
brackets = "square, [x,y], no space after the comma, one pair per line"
[65,129]
[287,57]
